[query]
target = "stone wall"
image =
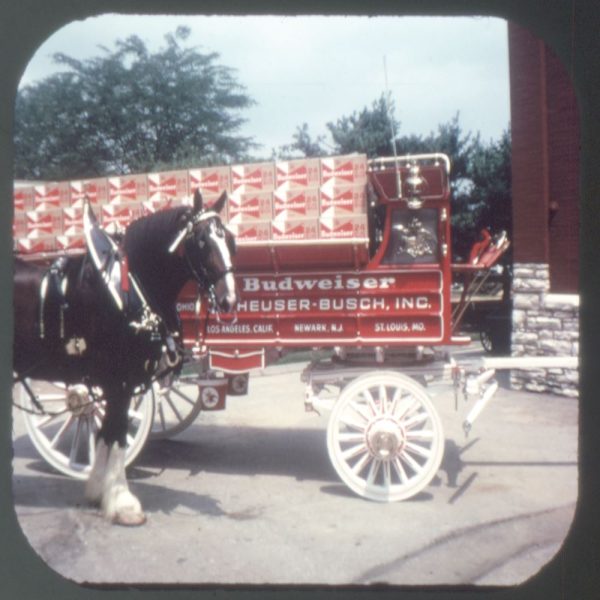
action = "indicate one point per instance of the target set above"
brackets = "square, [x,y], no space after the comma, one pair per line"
[544,324]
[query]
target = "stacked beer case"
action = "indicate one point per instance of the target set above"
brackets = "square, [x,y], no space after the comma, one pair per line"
[277,204]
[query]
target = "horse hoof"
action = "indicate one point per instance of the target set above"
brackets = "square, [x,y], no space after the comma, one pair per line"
[122,507]
[129,519]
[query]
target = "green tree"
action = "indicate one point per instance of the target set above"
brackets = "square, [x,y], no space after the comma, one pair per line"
[368,131]
[303,144]
[131,110]
[488,202]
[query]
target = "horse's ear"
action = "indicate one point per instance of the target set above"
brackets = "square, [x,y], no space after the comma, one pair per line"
[198,202]
[220,203]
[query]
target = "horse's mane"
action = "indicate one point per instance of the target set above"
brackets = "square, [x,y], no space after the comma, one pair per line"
[158,228]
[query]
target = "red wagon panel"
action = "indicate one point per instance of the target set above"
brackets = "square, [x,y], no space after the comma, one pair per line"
[334,308]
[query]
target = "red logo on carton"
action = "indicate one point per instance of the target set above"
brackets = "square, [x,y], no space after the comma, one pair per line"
[298,175]
[296,204]
[168,186]
[251,208]
[48,196]
[254,178]
[343,199]
[130,188]
[210,183]
[344,171]
[346,229]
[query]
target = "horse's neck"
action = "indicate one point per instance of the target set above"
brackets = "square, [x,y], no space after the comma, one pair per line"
[162,276]
[166,274]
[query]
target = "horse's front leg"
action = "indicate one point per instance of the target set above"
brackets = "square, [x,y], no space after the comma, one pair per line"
[107,483]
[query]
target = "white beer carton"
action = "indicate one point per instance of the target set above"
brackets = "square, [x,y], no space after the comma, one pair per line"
[211,181]
[301,202]
[120,215]
[51,195]
[351,198]
[298,174]
[23,197]
[167,186]
[254,204]
[250,231]
[95,190]
[294,229]
[253,177]
[350,169]
[127,189]
[336,224]
[47,222]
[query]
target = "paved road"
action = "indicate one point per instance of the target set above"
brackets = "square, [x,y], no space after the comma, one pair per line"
[249,496]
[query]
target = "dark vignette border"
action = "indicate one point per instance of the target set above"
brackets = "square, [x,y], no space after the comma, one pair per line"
[571,28]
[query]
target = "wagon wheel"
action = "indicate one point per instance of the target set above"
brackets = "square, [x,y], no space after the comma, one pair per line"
[65,437]
[177,403]
[384,437]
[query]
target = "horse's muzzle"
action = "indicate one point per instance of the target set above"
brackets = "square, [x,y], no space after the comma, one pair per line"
[226,295]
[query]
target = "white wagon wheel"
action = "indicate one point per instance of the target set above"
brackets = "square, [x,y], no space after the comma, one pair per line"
[65,436]
[385,437]
[177,403]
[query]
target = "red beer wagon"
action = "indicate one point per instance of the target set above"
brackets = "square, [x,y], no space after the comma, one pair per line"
[351,258]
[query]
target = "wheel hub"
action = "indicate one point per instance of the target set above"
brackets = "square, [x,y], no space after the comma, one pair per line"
[78,400]
[385,438]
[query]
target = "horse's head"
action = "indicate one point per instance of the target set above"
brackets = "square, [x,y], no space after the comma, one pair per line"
[208,248]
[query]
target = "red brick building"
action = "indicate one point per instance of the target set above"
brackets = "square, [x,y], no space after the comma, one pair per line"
[545,199]
[545,160]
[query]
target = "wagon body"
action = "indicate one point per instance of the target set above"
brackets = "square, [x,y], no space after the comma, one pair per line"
[385,284]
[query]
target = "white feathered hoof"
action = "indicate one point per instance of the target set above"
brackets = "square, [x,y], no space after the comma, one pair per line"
[94,487]
[121,507]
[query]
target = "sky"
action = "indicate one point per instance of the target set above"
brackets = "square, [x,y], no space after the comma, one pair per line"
[317,69]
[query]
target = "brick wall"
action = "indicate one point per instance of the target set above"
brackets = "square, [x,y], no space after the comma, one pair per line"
[545,160]
[545,194]
[563,173]
[529,148]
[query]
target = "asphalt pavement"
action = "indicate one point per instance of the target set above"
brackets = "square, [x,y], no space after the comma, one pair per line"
[248,496]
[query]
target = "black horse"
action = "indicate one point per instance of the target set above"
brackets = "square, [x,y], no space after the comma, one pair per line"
[108,319]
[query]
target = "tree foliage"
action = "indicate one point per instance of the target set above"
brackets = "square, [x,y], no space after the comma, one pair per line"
[480,173]
[302,144]
[130,110]
[368,131]
[487,202]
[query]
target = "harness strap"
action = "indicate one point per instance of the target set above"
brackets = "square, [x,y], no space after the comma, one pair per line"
[53,289]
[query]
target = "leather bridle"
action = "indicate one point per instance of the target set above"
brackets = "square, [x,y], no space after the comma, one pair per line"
[201,274]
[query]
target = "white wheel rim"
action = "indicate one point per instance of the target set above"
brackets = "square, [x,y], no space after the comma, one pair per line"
[176,406]
[384,437]
[67,440]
